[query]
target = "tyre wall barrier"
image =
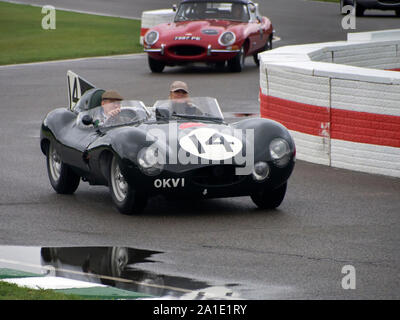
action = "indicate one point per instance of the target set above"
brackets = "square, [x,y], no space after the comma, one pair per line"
[338,100]
[152,18]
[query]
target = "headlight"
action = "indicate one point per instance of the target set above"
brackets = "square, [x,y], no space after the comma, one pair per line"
[151,37]
[150,161]
[280,152]
[227,38]
[260,171]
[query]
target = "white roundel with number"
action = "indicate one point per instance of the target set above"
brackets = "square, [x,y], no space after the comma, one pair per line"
[211,144]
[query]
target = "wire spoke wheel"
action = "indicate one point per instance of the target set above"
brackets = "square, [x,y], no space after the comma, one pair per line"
[119,260]
[54,163]
[126,198]
[118,182]
[62,178]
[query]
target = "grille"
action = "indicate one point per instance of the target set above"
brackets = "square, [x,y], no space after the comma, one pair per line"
[217,175]
[187,50]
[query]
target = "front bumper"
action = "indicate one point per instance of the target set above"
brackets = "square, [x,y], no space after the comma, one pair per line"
[189,52]
[200,183]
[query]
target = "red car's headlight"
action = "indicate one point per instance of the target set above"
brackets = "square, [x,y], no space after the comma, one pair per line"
[227,38]
[151,37]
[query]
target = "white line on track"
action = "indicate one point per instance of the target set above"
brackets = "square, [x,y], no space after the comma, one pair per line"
[115,57]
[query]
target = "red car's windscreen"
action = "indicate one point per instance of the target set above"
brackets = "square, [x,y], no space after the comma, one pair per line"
[212,10]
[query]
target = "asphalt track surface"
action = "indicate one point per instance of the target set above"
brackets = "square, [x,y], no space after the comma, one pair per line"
[330,217]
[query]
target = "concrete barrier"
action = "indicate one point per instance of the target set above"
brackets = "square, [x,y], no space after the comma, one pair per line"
[152,18]
[338,100]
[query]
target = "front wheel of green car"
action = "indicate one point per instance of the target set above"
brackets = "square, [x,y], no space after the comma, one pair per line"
[269,199]
[125,198]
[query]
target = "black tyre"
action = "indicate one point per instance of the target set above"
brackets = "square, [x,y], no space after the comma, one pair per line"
[267,46]
[220,66]
[155,65]
[266,199]
[62,178]
[236,64]
[125,198]
[398,12]
[359,9]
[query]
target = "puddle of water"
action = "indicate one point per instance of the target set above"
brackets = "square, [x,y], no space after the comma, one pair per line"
[113,266]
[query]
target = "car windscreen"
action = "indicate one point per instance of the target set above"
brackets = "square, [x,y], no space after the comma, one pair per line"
[117,113]
[203,10]
[201,108]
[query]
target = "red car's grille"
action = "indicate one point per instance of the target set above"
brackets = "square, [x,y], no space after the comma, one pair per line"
[186,50]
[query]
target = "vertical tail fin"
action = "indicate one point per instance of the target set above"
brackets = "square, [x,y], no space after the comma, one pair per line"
[77,86]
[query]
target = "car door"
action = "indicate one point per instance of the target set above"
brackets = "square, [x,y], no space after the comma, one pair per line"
[75,140]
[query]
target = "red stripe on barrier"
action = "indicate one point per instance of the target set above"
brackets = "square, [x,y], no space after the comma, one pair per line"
[362,127]
[294,115]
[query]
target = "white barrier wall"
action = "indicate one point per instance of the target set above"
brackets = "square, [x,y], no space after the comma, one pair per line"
[341,110]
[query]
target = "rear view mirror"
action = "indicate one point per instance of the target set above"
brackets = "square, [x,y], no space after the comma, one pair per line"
[87,120]
[174,8]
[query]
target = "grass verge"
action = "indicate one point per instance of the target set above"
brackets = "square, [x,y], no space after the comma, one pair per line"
[9,291]
[22,38]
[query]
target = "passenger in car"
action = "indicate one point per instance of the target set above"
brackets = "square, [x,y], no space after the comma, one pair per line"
[178,90]
[111,106]
[179,93]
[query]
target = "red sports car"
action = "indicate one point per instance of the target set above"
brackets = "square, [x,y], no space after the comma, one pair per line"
[210,31]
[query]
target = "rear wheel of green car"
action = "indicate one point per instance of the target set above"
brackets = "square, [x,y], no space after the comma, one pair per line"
[62,178]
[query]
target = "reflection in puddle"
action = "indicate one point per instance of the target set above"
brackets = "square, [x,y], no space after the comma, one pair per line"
[113,266]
